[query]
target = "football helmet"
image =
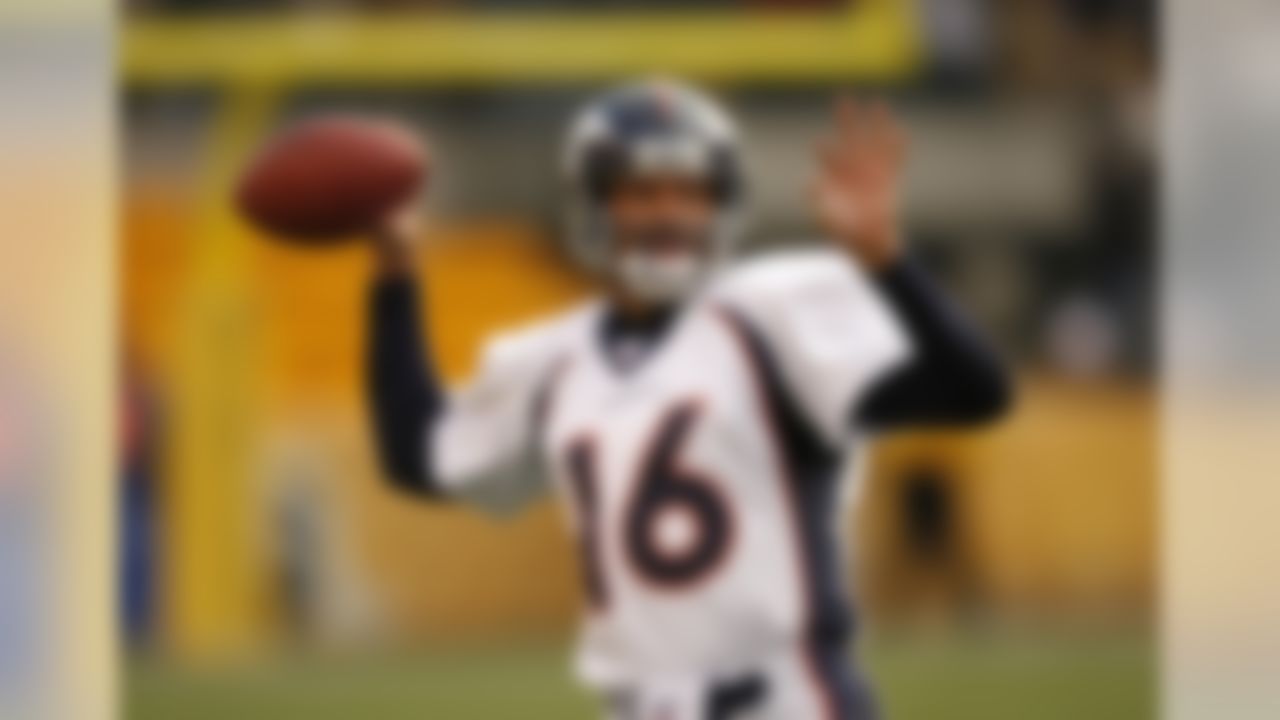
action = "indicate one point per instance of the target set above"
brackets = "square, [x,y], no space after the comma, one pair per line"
[654,126]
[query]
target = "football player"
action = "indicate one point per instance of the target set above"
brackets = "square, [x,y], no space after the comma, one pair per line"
[700,415]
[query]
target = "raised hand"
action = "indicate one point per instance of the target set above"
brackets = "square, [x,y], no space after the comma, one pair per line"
[397,239]
[857,191]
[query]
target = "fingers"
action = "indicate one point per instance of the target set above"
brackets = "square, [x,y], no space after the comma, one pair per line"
[886,132]
[833,157]
[864,128]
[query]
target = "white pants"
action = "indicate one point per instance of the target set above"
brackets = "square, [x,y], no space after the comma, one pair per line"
[789,687]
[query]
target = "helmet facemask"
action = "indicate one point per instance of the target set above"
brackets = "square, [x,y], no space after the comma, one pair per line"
[640,137]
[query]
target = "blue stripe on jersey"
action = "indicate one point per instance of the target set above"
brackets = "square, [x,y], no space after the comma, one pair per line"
[812,475]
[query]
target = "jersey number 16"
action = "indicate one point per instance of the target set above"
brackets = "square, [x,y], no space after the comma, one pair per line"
[663,490]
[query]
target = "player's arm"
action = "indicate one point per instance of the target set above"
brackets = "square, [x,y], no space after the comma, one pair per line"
[406,396]
[475,443]
[953,376]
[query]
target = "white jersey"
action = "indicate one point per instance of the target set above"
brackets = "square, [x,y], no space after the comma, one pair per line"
[702,483]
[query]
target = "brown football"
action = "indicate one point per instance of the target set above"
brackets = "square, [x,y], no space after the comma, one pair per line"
[331,178]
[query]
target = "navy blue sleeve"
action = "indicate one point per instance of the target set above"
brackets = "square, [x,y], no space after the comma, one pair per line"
[405,394]
[954,378]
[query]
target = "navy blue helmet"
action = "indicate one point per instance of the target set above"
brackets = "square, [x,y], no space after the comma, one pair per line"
[655,126]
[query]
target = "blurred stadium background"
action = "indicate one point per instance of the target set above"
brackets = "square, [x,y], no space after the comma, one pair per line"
[265,571]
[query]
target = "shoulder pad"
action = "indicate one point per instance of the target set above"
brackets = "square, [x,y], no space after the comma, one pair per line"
[532,347]
[785,276]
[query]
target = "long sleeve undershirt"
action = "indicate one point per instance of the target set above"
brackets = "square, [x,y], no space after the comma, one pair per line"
[953,378]
[405,392]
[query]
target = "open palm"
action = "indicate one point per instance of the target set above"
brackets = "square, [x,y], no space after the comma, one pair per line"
[857,191]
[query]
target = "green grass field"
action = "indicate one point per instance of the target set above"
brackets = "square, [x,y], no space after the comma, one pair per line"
[992,677]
